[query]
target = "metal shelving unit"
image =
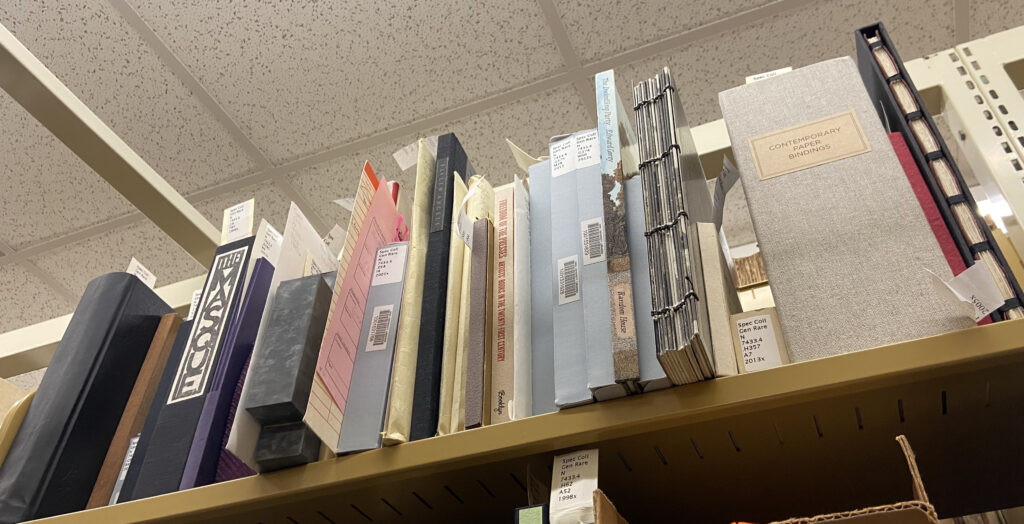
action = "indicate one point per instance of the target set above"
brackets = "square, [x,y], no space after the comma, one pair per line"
[797,440]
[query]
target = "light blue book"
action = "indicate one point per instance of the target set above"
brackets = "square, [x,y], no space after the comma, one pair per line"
[597,317]
[570,355]
[541,278]
[371,375]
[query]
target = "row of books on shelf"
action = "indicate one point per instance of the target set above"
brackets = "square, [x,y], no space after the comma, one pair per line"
[599,275]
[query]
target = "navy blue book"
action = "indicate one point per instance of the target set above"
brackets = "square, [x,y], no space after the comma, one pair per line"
[59,450]
[178,410]
[451,159]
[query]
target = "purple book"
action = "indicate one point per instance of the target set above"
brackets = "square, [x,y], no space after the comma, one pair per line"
[203,456]
[230,467]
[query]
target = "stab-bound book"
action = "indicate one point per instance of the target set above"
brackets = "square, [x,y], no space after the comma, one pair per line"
[58,452]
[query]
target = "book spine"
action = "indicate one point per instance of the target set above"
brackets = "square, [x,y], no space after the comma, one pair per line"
[618,162]
[502,355]
[201,466]
[541,275]
[426,396]
[522,401]
[368,395]
[477,349]
[135,411]
[58,451]
[168,447]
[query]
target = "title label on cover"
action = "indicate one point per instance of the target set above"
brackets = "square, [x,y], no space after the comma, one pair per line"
[573,481]
[757,342]
[568,279]
[211,320]
[808,145]
[390,264]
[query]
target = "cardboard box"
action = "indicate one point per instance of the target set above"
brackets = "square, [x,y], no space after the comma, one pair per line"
[917,511]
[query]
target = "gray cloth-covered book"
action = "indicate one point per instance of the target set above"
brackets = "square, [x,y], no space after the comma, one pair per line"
[846,247]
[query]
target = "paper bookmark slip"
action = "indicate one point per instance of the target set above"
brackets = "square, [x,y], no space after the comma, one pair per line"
[341,338]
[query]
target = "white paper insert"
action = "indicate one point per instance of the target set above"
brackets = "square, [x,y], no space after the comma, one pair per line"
[335,239]
[976,288]
[237,223]
[573,481]
[758,343]
[196,295]
[563,157]
[588,149]
[146,276]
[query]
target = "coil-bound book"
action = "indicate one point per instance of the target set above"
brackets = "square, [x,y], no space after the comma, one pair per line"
[900,105]
[676,197]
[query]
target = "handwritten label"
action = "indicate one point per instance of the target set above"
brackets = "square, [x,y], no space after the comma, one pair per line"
[808,145]
[592,233]
[237,223]
[758,344]
[768,74]
[573,481]
[146,276]
[976,288]
[390,264]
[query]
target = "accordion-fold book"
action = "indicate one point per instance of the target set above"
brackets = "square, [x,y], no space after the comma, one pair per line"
[845,244]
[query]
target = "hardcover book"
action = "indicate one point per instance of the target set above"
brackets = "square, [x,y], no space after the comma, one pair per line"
[178,413]
[203,456]
[522,347]
[368,394]
[618,164]
[58,452]
[502,354]
[542,346]
[403,372]
[451,161]
[477,344]
[135,410]
[851,274]
[570,356]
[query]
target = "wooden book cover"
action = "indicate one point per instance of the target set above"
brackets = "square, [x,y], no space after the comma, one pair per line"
[136,410]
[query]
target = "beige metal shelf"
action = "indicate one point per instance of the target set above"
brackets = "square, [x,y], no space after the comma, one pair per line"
[797,440]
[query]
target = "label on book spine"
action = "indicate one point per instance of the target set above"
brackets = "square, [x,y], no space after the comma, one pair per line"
[390,264]
[196,364]
[132,444]
[568,279]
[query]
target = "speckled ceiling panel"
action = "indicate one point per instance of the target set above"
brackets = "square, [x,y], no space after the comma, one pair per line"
[26,300]
[90,47]
[528,122]
[718,63]
[992,16]
[302,76]
[76,264]
[599,28]
[45,190]
[271,204]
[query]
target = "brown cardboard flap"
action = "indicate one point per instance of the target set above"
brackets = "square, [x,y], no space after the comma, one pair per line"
[604,510]
[915,511]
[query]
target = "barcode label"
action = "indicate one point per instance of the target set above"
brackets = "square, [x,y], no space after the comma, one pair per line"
[593,240]
[380,326]
[568,280]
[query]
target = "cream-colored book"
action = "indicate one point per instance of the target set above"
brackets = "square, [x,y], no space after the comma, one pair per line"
[403,369]
[502,333]
[453,301]
[522,343]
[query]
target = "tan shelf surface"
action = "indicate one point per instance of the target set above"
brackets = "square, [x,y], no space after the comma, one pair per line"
[796,440]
